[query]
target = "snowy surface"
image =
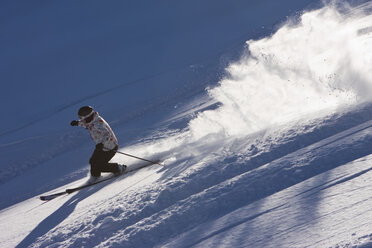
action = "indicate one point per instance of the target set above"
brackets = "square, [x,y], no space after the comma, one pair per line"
[260,111]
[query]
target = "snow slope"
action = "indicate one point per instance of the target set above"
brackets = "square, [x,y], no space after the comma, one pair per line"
[135,62]
[276,155]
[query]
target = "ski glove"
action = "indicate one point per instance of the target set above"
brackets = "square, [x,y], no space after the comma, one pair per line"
[99,146]
[74,123]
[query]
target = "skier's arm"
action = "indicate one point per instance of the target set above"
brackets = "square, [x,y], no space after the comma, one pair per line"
[74,123]
[77,123]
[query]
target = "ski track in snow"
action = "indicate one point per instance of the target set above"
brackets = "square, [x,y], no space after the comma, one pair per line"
[224,198]
[317,210]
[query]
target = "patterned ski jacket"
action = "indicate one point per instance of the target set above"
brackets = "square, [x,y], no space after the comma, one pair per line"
[101,132]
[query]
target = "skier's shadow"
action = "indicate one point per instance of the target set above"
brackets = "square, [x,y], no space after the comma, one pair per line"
[57,217]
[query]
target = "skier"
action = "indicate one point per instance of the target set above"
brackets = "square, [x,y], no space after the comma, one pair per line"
[105,140]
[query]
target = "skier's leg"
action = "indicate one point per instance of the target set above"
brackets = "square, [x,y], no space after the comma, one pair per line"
[95,163]
[109,167]
[99,162]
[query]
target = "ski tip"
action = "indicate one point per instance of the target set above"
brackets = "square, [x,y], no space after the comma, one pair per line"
[51,197]
[46,198]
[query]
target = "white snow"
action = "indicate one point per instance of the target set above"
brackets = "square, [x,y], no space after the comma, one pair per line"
[275,151]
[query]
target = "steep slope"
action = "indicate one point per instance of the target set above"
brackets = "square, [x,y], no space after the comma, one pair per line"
[276,156]
[134,62]
[283,195]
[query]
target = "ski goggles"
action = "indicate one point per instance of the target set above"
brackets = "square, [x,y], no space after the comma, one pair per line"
[86,118]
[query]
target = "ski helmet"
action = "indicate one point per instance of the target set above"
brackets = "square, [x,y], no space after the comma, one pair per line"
[85,111]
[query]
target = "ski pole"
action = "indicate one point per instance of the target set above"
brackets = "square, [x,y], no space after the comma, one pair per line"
[126,154]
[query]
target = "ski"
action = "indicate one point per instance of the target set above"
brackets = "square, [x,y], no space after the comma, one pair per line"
[71,190]
[52,196]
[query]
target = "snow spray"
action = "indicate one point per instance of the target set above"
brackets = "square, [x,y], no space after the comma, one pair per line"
[319,61]
[313,65]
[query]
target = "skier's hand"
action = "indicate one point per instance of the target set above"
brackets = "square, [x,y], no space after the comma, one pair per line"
[74,123]
[99,146]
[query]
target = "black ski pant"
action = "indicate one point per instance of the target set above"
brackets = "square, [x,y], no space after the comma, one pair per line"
[99,162]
